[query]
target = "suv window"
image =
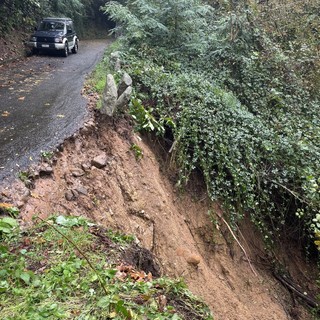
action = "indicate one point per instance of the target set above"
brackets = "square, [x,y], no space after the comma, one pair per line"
[69,27]
[51,25]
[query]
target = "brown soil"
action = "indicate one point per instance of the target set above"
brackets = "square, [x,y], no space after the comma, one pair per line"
[138,197]
[12,47]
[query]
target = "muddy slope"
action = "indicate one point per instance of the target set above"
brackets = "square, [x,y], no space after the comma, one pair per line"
[96,174]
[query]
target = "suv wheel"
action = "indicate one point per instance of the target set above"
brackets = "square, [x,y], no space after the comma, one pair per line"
[76,47]
[66,50]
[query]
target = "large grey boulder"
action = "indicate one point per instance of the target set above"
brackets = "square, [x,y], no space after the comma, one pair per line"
[110,96]
[115,60]
[124,99]
[126,81]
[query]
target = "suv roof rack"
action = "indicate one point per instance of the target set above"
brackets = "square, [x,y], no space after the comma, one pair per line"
[55,18]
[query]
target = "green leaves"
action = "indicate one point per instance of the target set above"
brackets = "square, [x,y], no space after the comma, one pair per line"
[173,24]
[7,225]
[238,112]
[144,119]
[67,221]
[42,276]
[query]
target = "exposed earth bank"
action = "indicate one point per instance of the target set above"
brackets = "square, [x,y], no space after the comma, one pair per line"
[97,174]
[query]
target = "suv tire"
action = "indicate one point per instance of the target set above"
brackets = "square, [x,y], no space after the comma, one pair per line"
[34,51]
[65,52]
[75,47]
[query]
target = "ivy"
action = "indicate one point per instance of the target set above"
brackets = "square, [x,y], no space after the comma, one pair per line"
[244,115]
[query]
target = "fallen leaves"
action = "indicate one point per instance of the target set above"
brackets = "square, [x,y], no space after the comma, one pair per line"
[5,206]
[21,98]
[5,114]
[127,271]
[35,195]
[8,208]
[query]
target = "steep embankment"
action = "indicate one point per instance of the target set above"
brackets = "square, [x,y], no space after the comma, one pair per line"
[96,174]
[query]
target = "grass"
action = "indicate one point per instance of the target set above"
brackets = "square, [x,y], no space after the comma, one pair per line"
[45,274]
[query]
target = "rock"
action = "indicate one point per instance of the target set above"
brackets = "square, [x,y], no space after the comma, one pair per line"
[193,259]
[100,161]
[45,171]
[82,190]
[75,193]
[60,148]
[69,195]
[124,99]
[77,173]
[115,60]
[85,167]
[125,82]
[67,177]
[110,95]
[20,204]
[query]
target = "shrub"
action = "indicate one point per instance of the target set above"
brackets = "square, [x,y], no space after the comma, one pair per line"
[243,115]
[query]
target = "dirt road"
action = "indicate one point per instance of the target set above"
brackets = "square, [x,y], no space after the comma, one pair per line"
[41,104]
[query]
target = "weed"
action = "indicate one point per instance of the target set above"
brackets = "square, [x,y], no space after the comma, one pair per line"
[7,227]
[137,151]
[27,178]
[47,155]
[9,209]
[145,121]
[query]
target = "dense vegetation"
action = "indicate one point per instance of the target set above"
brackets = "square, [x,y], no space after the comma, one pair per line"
[23,15]
[69,268]
[235,85]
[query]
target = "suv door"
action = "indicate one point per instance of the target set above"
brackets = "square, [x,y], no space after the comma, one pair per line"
[70,33]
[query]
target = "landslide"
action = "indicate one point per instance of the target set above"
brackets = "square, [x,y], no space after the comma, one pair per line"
[183,230]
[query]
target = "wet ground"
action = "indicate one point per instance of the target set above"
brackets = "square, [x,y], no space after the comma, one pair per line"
[41,104]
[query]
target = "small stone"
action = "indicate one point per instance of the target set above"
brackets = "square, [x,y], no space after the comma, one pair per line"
[75,193]
[193,259]
[77,173]
[69,195]
[85,166]
[84,130]
[60,148]
[82,190]
[46,170]
[20,204]
[100,161]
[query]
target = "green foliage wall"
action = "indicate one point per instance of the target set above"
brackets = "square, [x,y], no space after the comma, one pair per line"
[244,115]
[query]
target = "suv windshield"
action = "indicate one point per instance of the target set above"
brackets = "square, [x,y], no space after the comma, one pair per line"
[51,26]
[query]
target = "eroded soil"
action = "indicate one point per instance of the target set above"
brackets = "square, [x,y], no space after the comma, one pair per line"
[183,230]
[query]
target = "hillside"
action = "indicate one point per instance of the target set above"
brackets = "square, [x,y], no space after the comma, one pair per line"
[138,197]
[214,166]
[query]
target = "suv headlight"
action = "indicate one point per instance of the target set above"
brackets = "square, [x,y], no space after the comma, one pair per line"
[33,39]
[58,39]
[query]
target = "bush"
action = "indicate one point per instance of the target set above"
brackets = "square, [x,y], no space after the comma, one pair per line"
[243,115]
